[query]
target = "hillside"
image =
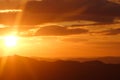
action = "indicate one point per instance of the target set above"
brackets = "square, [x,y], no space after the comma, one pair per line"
[23,68]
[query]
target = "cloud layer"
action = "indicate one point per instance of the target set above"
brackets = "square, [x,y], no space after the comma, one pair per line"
[70,10]
[55,30]
[47,11]
[111,31]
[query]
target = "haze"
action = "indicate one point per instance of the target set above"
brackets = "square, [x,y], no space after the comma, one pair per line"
[65,28]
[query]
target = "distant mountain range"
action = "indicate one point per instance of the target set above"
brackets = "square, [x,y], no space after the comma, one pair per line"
[24,68]
[107,60]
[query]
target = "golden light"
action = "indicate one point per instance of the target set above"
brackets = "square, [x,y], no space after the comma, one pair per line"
[10,41]
[10,10]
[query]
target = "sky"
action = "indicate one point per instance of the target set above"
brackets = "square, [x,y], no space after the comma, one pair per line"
[63,28]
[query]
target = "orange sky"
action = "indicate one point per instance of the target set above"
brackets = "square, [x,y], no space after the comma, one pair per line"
[63,38]
[80,45]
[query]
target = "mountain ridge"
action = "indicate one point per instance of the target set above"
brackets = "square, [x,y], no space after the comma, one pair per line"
[24,68]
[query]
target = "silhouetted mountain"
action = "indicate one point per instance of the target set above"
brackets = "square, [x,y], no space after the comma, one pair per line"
[23,68]
[107,60]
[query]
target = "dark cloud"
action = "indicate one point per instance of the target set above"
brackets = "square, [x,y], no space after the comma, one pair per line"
[37,12]
[68,10]
[55,30]
[111,31]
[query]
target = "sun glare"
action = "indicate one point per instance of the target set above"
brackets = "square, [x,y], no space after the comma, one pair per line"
[10,41]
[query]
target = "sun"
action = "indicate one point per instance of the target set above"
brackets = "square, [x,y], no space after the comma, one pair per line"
[10,44]
[10,41]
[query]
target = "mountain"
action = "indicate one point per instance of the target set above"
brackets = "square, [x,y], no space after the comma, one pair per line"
[24,68]
[107,60]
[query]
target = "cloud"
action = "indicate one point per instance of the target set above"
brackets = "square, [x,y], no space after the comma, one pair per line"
[46,11]
[111,45]
[108,43]
[55,30]
[111,31]
[70,10]
[74,40]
